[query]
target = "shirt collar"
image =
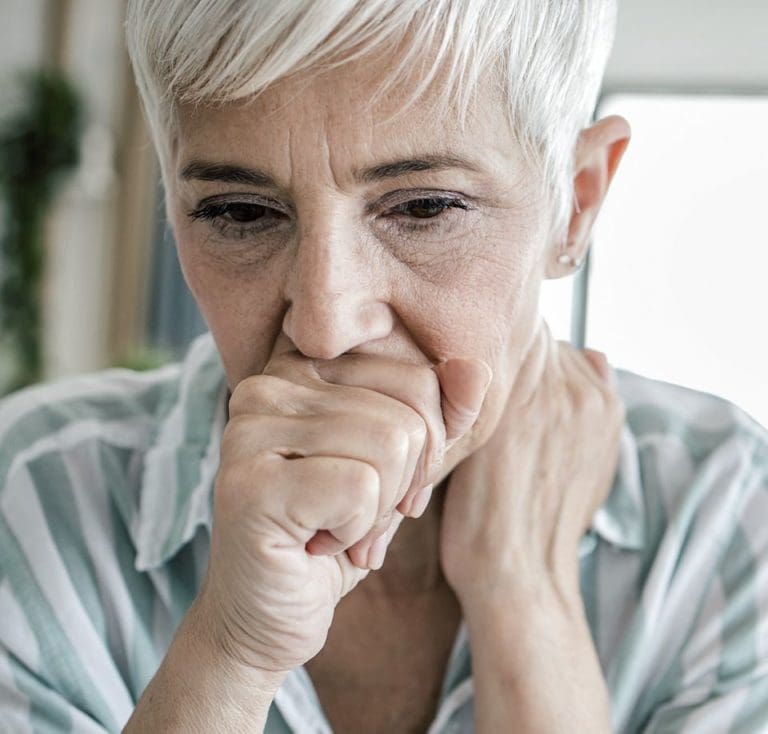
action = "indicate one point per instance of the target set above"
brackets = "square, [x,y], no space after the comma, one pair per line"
[180,467]
[620,520]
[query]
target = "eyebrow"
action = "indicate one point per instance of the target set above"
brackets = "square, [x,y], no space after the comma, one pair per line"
[235,174]
[433,162]
[227,173]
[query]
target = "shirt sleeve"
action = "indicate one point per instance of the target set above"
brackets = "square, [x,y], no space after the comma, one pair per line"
[57,671]
[28,705]
[723,686]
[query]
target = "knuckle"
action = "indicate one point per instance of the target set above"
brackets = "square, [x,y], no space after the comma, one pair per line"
[235,485]
[257,391]
[587,400]
[392,440]
[228,476]
[240,432]
[362,477]
[266,393]
[381,525]
[267,467]
[416,428]
[594,401]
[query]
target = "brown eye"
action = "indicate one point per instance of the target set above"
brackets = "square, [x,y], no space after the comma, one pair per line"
[245,213]
[423,208]
[239,220]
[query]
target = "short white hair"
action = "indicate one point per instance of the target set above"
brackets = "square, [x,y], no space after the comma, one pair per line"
[550,54]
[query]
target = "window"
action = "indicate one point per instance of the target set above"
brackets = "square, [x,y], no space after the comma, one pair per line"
[678,273]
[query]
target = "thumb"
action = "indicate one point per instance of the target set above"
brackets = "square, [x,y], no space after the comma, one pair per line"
[463,384]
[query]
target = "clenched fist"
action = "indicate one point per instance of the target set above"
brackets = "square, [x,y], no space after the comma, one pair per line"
[319,463]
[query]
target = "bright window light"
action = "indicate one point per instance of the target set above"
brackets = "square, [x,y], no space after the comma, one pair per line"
[678,286]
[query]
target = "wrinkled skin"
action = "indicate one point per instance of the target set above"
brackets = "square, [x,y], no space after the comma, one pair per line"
[331,272]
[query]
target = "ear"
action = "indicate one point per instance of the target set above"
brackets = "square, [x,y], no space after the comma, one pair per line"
[598,152]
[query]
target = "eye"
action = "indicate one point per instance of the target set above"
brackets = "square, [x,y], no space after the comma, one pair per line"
[427,208]
[245,212]
[239,219]
[240,212]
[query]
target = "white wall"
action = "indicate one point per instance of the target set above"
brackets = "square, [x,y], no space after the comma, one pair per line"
[690,43]
[687,45]
[22,34]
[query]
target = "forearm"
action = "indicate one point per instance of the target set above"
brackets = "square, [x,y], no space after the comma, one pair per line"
[534,664]
[198,690]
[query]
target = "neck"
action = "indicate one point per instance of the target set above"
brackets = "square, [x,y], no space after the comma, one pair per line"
[412,564]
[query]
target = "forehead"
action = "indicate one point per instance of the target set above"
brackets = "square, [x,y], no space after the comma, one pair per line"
[342,114]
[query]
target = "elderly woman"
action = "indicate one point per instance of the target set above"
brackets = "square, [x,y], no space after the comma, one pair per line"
[366,197]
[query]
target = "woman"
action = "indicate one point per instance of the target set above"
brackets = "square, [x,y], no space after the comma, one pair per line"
[366,197]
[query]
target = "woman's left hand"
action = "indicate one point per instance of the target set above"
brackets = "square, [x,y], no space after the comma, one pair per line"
[516,508]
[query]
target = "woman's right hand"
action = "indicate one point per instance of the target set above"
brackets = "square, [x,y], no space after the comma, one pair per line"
[318,459]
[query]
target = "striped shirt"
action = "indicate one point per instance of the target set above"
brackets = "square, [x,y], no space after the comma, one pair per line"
[105,513]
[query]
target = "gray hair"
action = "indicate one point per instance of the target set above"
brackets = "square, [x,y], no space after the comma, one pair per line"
[550,55]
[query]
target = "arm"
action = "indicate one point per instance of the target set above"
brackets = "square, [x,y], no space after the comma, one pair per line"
[534,663]
[514,514]
[200,689]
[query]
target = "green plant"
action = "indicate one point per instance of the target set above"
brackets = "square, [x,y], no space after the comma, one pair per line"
[39,144]
[144,358]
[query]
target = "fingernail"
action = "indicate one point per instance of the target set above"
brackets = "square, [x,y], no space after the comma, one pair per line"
[377,552]
[421,500]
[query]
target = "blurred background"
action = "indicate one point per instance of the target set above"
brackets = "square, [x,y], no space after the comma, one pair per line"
[675,288]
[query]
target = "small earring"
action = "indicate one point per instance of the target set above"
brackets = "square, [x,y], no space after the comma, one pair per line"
[566,259]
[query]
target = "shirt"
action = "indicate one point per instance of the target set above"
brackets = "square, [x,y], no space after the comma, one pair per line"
[106,485]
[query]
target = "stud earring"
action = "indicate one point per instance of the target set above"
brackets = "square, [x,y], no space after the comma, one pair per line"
[566,259]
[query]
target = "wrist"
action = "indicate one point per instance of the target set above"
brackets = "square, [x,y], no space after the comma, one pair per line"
[201,689]
[201,629]
[536,658]
[524,591]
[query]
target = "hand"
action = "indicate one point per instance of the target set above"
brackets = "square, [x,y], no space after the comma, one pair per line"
[516,508]
[318,461]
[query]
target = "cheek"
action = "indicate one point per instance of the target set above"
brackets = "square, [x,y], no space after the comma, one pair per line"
[242,307]
[494,282]
[498,315]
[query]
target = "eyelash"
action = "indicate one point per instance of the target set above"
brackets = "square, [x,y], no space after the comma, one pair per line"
[216,213]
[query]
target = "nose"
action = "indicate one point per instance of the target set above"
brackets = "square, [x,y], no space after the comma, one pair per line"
[335,296]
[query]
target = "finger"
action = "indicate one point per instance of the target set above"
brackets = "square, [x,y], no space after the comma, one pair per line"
[292,365]
[324,543]
[378,549]
[383,445]
[272,395]
[416,387]
[588,383]
[463,383]
[343,499]
[421,500]
[376,559]
[368,553]
[529,374]
[599,363]
[592,367]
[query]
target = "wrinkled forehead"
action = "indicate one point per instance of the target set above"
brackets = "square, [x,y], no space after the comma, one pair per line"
[343,115]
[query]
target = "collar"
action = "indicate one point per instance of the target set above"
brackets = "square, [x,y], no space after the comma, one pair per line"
[620,520]
[180,467]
